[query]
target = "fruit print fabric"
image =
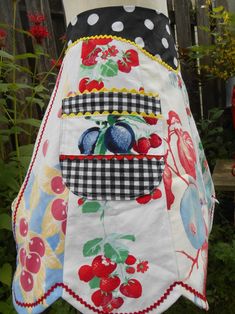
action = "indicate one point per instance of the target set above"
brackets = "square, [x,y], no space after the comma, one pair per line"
[124,256]
[153,31]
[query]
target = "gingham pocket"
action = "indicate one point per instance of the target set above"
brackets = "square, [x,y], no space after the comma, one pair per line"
[103,151]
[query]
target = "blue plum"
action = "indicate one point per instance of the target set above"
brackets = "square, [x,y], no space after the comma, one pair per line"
[191,214]
[119,138]
[88,140]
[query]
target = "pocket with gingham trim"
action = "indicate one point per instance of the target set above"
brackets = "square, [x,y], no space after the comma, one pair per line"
[112,145]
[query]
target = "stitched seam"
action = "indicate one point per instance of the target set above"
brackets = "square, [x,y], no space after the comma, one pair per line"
[78,298]
[37,149]
[148,54]
[115,90]
[97,113]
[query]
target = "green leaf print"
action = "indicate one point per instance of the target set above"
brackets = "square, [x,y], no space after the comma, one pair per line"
[94,283]
[110,68]
[91,207]
[128,237]
[134,118]
[115,254]
[100,148]
[92,247]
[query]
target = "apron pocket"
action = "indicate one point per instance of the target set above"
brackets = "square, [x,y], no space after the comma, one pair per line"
[112,145]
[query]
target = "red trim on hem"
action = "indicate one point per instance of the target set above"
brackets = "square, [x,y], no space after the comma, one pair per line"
[37,148]
[109,157]
[76,297]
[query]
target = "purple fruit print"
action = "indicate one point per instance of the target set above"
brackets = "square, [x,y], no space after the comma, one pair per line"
[119,138]
[88,140]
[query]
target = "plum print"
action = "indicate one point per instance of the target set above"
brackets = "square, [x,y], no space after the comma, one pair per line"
[119,138]
[88,140]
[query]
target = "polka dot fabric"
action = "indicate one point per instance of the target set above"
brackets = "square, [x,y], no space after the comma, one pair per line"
[152,34]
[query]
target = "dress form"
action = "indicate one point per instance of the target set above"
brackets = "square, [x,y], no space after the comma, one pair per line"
[75,7]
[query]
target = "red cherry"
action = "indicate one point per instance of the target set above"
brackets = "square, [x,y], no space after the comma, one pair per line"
[37,245]
[151,121]
[100,298]
[130,260]
[63,226]
[109,284]
[156,194]
[26,281]
[22,256]
[59,209]
[130,270]
[82,84]
[33,262]
[103,266]
[142,146]
[144,199]
[117,302]
[57,185]
[85,273]
[131,289]
[155,140]
[80,201]
[23,226]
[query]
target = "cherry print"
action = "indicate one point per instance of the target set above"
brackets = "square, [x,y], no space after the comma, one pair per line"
[33,262]
[57,185]
[142,146]
[22,256]
[155,140]
[37,245]
[156,194]
[26,281]
[59,209]
[23,226]
[80,201]
[144,199]
[63,226]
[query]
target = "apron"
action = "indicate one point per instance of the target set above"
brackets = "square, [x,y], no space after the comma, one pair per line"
[117,206]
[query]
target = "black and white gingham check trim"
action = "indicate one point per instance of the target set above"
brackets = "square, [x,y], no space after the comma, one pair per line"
[112,179]
[111,101]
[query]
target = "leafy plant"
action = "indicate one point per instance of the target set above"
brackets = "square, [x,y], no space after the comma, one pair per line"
[222,52]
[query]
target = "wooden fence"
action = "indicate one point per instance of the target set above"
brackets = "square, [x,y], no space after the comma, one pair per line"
[185,16]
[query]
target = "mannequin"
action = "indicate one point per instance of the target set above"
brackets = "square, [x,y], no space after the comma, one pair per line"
[74,7]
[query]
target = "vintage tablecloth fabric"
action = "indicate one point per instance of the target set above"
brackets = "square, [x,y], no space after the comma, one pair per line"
[117,206]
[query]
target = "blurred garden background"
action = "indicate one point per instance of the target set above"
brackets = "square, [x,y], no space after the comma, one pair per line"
[32,44]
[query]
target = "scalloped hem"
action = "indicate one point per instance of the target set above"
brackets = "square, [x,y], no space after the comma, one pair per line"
[170,296]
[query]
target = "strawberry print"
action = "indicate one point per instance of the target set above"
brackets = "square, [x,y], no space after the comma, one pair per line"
[155,140]
[100,298]
[131,289]
[88,85]
[102,273]
[142,146]
[85,273]
[110,283]
[103,266]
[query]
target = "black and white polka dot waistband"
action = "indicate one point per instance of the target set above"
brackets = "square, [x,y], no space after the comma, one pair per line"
[146,27]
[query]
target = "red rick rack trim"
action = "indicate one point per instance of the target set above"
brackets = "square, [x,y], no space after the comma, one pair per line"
[37,148]
[79,299]
[109,157]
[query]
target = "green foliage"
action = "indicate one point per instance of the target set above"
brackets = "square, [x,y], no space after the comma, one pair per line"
[221,52]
